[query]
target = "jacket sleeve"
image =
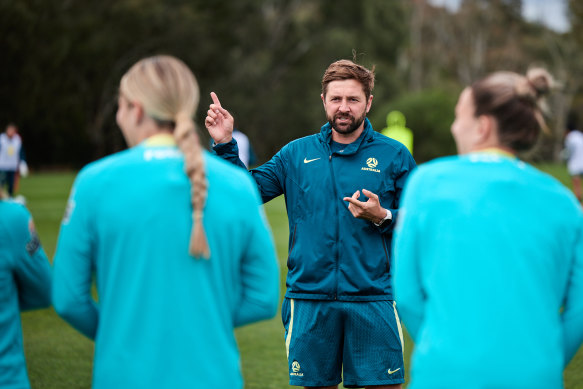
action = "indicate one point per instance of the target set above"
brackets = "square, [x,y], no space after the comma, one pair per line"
[259,269]
[572,317]
[270,176]
[73,265]
[407,280]
[230,152]
[401,174]
[32,271]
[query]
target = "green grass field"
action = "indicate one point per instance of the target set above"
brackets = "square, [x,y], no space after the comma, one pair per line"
[59,357]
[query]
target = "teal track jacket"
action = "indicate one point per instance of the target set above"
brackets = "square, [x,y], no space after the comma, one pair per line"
[489,274]
[163,319]
[333,255]
[25,283]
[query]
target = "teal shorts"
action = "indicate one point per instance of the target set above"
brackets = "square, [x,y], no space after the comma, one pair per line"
[328,339]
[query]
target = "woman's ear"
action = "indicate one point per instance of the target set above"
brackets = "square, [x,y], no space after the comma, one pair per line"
[487,129]
[138,112]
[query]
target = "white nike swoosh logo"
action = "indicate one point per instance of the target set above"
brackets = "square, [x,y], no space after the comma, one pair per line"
[310,160]
[394,371]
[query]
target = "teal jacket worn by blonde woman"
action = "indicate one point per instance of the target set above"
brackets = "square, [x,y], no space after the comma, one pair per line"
[162,318]
[25,283]
[489,274]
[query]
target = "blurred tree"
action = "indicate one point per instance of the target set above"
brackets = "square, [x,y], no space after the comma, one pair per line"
[62,60]
[429,115]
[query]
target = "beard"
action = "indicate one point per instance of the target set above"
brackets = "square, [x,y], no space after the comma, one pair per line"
[344,129]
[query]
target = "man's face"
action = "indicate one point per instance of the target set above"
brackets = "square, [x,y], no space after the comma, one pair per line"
[11,131]
[346,105]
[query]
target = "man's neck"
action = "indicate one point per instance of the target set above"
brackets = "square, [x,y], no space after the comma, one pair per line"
[347,138]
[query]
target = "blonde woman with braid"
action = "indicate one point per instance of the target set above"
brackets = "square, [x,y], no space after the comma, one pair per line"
[176,240]
[489,251]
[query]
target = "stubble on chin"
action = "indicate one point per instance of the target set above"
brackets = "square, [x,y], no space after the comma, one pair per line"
[350,128]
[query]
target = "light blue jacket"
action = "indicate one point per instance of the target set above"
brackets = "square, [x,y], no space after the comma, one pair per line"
[25,283]
[162,318]
[488,252]
[332,254]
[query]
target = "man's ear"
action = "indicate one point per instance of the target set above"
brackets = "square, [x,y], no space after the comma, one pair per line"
[369,103]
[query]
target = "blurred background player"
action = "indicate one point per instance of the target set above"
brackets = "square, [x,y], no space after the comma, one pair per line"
[397,130]
[178,242]
[489,250]
[246,152]
[11,158]
[574,152]
[25,284]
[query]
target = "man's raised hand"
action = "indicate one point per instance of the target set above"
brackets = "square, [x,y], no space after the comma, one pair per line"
[219,121]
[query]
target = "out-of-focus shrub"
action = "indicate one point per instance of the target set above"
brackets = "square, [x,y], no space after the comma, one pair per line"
[429,115]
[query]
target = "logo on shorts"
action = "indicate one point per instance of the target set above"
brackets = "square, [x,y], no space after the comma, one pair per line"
[393,371]
[296,369]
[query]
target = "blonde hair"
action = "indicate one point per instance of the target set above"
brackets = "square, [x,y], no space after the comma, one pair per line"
[516,102]
[169,93]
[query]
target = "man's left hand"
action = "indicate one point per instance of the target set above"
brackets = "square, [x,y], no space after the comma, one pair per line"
[370,210]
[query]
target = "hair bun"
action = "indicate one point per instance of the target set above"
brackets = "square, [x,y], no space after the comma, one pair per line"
[540,80]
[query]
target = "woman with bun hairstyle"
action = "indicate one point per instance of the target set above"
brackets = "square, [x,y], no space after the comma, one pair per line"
[489,250]
[176,241]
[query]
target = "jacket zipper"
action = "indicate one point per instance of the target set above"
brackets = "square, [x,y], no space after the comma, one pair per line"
[337,225]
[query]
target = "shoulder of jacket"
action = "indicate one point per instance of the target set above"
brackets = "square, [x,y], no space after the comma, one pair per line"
[302,143]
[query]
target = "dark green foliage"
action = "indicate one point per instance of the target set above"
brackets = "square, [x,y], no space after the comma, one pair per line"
[62,61]
[429,115]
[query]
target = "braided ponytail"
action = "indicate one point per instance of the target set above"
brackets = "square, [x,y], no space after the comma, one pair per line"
[188,142]
[169,92]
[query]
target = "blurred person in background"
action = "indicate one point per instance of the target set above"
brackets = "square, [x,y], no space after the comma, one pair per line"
[246,152]
[397,130]
[25,284]
[489,250]
[11,158]
[177,242]
[574,154]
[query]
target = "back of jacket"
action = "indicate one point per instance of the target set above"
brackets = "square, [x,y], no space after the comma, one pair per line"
[488,253]
[163,318]
[333,255]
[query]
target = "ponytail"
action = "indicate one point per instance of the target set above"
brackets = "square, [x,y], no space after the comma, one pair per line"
[188,142]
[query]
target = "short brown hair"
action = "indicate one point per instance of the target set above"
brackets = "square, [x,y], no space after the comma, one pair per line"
[514,101]
[347,70]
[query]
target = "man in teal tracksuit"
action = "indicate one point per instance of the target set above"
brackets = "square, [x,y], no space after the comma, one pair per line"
[339,312]
[25,284]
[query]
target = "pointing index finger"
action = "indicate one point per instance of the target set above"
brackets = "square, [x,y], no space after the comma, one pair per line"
[215,99]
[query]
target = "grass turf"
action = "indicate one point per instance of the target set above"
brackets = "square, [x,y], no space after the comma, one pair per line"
[59,357]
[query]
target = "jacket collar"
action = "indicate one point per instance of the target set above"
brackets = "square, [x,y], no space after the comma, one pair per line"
[366,135]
